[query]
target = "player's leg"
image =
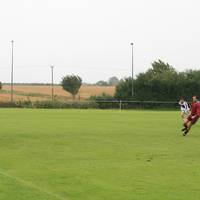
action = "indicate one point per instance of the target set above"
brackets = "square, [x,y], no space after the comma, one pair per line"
[184,116]
[191,121]
[187,129]
[185,124]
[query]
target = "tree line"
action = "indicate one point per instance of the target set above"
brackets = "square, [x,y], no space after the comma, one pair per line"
[161,82]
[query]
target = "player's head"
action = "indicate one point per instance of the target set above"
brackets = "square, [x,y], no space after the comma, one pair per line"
[182,100]
[194,99]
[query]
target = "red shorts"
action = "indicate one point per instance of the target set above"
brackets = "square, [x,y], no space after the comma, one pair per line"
[193,118]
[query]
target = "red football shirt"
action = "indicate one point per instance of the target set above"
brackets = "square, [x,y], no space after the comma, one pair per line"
[195,108]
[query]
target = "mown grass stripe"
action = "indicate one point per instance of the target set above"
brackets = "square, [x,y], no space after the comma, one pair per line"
[30,185]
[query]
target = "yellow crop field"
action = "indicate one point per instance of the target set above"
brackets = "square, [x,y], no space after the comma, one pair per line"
[33,93]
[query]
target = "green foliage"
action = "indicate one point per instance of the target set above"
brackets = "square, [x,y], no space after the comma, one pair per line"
[124,89]
[49,104]
[149,105]
[105,101]
[1,85]
[71,84]
[58,104]
[102,97]
[160,83]
[98,102]
[160,68]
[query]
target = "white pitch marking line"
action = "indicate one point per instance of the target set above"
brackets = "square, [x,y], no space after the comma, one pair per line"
[31,185]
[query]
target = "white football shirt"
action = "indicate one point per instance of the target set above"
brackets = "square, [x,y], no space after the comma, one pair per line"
[184,107]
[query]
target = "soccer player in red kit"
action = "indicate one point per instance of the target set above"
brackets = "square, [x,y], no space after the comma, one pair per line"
[193,117]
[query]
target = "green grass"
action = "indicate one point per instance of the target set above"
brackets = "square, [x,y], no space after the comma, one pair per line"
[97,155]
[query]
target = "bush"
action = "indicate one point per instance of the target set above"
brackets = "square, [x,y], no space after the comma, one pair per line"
[58,104]
[155,105]
[105,101]
[95,104]
[48,104]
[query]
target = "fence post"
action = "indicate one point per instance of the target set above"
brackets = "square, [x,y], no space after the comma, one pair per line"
[120,104]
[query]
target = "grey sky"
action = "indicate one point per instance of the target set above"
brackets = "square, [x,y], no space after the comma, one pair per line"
[92,37]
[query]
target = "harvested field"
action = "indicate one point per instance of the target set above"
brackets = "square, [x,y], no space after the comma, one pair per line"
[27,92]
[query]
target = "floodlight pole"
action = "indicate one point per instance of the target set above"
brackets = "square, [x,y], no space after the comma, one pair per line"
[132,71]
[52,85]
[12,63]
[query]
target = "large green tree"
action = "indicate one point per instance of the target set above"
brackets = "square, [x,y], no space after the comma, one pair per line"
[71,84]
[160,83]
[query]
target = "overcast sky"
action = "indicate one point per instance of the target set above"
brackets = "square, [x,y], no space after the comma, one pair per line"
[92,38]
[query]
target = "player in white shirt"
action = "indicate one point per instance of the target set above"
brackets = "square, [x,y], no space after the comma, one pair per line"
[185,110]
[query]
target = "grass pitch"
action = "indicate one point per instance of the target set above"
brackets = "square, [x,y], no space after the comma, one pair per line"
[97,155]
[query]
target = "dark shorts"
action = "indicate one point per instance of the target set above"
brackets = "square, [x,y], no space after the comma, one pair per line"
[193,119]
